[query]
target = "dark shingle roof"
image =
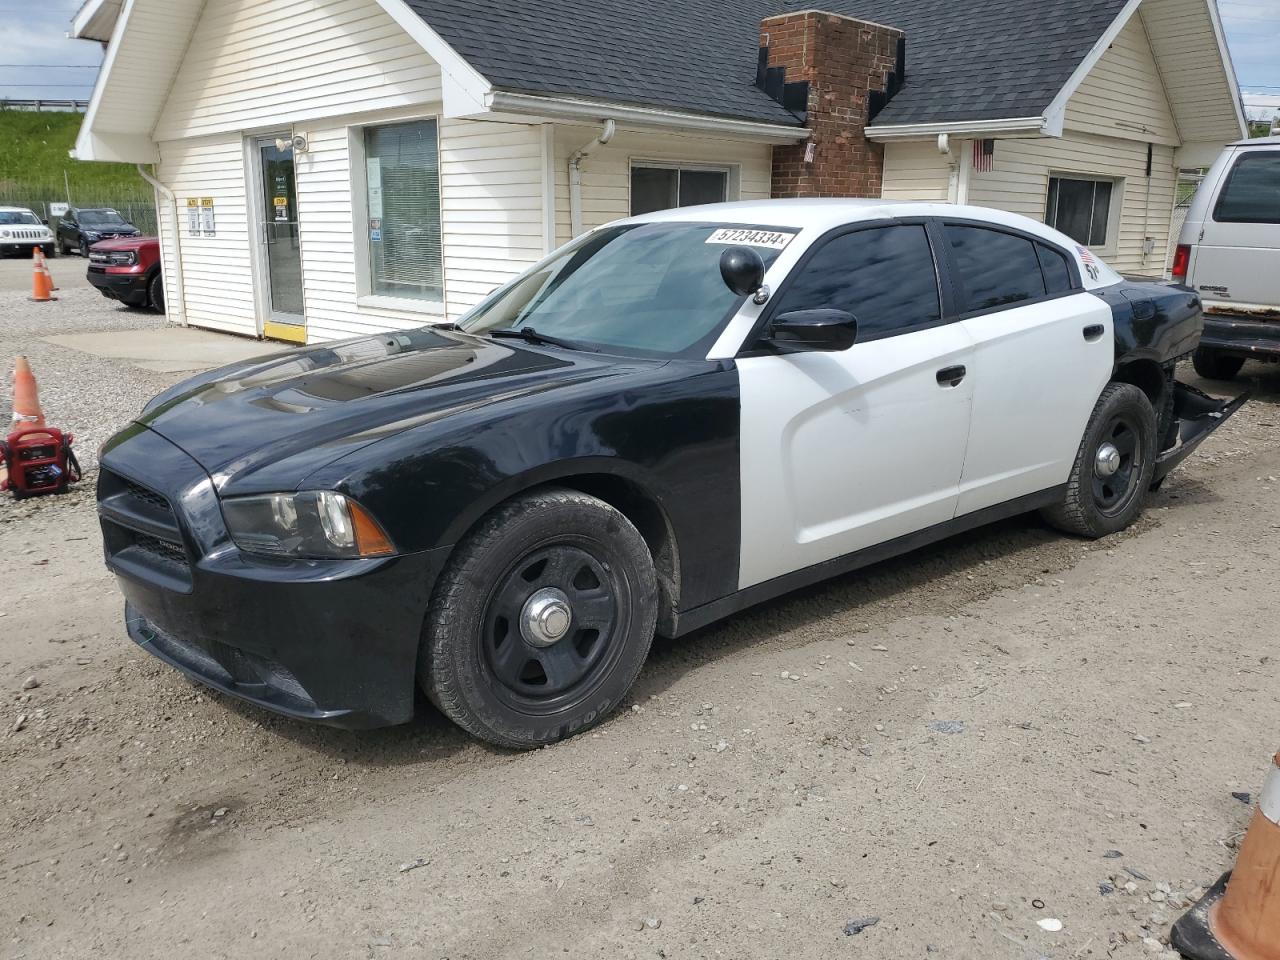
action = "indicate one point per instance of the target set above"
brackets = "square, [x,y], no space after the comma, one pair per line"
[966,59]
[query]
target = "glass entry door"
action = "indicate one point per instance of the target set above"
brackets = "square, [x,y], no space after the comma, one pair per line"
[281,254]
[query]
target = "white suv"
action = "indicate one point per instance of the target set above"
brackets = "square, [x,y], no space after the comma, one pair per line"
[1229,253]
[21,231]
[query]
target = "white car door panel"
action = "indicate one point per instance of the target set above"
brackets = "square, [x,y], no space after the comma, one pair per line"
[841,451]
[1037,373]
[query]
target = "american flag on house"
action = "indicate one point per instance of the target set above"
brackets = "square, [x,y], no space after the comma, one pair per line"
[984,155]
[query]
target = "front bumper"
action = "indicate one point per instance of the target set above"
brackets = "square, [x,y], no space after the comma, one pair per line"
[329,641]
[23,246]
[128,288]
[1240,336]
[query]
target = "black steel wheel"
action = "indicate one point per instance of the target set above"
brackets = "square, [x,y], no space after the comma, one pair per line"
[541,621]
[1111,476]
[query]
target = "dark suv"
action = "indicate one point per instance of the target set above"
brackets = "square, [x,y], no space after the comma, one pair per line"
[81,229]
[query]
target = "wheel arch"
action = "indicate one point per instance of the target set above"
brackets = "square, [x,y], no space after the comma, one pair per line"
[1149,376]
[624,487]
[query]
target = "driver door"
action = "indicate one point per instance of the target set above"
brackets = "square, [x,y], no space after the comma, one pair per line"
[841,451]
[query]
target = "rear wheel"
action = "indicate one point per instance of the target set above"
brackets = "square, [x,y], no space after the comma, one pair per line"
[541,621]
[1112,473]
[1216,366]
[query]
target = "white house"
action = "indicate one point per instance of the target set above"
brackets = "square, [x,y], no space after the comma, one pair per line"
[325,168]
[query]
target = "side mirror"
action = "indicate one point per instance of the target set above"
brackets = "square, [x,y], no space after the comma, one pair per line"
[45,221]
[742,270]
[825,329]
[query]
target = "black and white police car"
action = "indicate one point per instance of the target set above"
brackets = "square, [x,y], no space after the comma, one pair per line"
[667,420]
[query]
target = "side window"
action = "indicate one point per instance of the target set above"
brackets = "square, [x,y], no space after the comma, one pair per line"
[994,269]
[1252,191]
[1057,276]
[884,276]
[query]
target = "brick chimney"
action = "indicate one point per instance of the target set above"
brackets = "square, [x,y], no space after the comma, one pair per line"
[851,66]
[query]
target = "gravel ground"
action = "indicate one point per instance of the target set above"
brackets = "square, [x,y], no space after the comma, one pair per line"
[89,396]
[1009,727]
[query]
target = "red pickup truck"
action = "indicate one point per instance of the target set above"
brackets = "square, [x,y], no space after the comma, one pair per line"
[128,269]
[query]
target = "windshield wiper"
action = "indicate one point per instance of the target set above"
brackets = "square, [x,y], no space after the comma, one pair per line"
[530,335]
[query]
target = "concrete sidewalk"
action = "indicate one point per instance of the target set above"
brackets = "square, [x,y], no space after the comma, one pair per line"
[169,349]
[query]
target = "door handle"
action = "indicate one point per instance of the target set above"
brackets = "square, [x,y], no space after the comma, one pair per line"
[951,376]
[1094,332]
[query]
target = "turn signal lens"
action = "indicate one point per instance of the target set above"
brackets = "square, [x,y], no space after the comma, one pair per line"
[370,540]
[1181,261]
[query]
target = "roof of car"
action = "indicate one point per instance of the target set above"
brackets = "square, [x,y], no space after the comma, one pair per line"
[967,60]
[825,214]
[1258,142]
[16,210]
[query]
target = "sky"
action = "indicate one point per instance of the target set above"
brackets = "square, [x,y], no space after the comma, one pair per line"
[37,60]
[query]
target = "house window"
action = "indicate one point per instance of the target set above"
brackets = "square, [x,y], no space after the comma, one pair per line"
[1080,208]
[655,187]
[402,168]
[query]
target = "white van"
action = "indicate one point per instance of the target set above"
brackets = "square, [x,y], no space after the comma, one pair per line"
[1229,253]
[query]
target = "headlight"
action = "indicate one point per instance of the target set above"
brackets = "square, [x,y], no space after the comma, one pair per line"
[4,234]
[91,237]
[125,258]
[318,525]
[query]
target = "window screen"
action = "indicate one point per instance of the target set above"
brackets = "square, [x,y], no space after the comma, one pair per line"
[885,277]
[403,170]
[662,188]
[1080,208]
[994,268]
[1252,193]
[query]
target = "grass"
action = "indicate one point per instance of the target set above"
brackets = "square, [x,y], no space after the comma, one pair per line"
[34,159]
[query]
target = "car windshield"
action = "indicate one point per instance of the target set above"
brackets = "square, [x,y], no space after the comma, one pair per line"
[652,289]
[102,218]
[11,217]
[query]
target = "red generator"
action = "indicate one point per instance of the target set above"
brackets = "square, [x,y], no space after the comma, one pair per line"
[40,461]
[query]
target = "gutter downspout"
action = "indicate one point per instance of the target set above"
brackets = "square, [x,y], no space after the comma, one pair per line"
[179,284]
[575,176]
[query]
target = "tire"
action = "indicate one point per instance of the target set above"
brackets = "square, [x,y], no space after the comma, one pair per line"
[155,293]
[1095,504]
[50,250]
[488,666]
[84,249]
[63,248]
[1216,366]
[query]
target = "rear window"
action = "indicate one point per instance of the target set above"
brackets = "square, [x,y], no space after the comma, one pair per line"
[1252,191]
[995,269]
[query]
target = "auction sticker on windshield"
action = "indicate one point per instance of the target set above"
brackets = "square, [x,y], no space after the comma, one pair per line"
[773,239]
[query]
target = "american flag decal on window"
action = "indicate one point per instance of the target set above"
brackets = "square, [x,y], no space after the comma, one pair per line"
[984,155]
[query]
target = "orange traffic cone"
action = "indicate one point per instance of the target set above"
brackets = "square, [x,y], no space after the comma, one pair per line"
[42,279]
[26,396]
[1239,919]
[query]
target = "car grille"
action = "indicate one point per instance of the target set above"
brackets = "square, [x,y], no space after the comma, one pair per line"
[140,531]
[33,233]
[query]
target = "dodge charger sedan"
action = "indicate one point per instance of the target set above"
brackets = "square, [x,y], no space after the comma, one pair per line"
[667,420]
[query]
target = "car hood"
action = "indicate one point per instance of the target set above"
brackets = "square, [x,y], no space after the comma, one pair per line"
[125,243]
[267,424]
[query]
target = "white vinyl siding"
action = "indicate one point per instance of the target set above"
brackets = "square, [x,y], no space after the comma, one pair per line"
[256,63]
[491,210]
[606,173]
[217,272]
[1195,78]
[1123,95]
[1019,182]
[915,170]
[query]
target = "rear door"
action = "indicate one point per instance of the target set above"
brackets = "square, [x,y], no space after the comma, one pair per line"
[1044,351]
[1237,258]
[845,450]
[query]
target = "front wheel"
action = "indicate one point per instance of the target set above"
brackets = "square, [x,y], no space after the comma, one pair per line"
[1216,366]
[541,621]
[84,249]
[155,293]
[1112,472]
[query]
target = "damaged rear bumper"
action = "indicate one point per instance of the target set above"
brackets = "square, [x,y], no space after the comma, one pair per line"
[1195,416]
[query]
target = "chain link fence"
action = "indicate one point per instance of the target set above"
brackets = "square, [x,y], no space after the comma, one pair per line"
[138,207]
